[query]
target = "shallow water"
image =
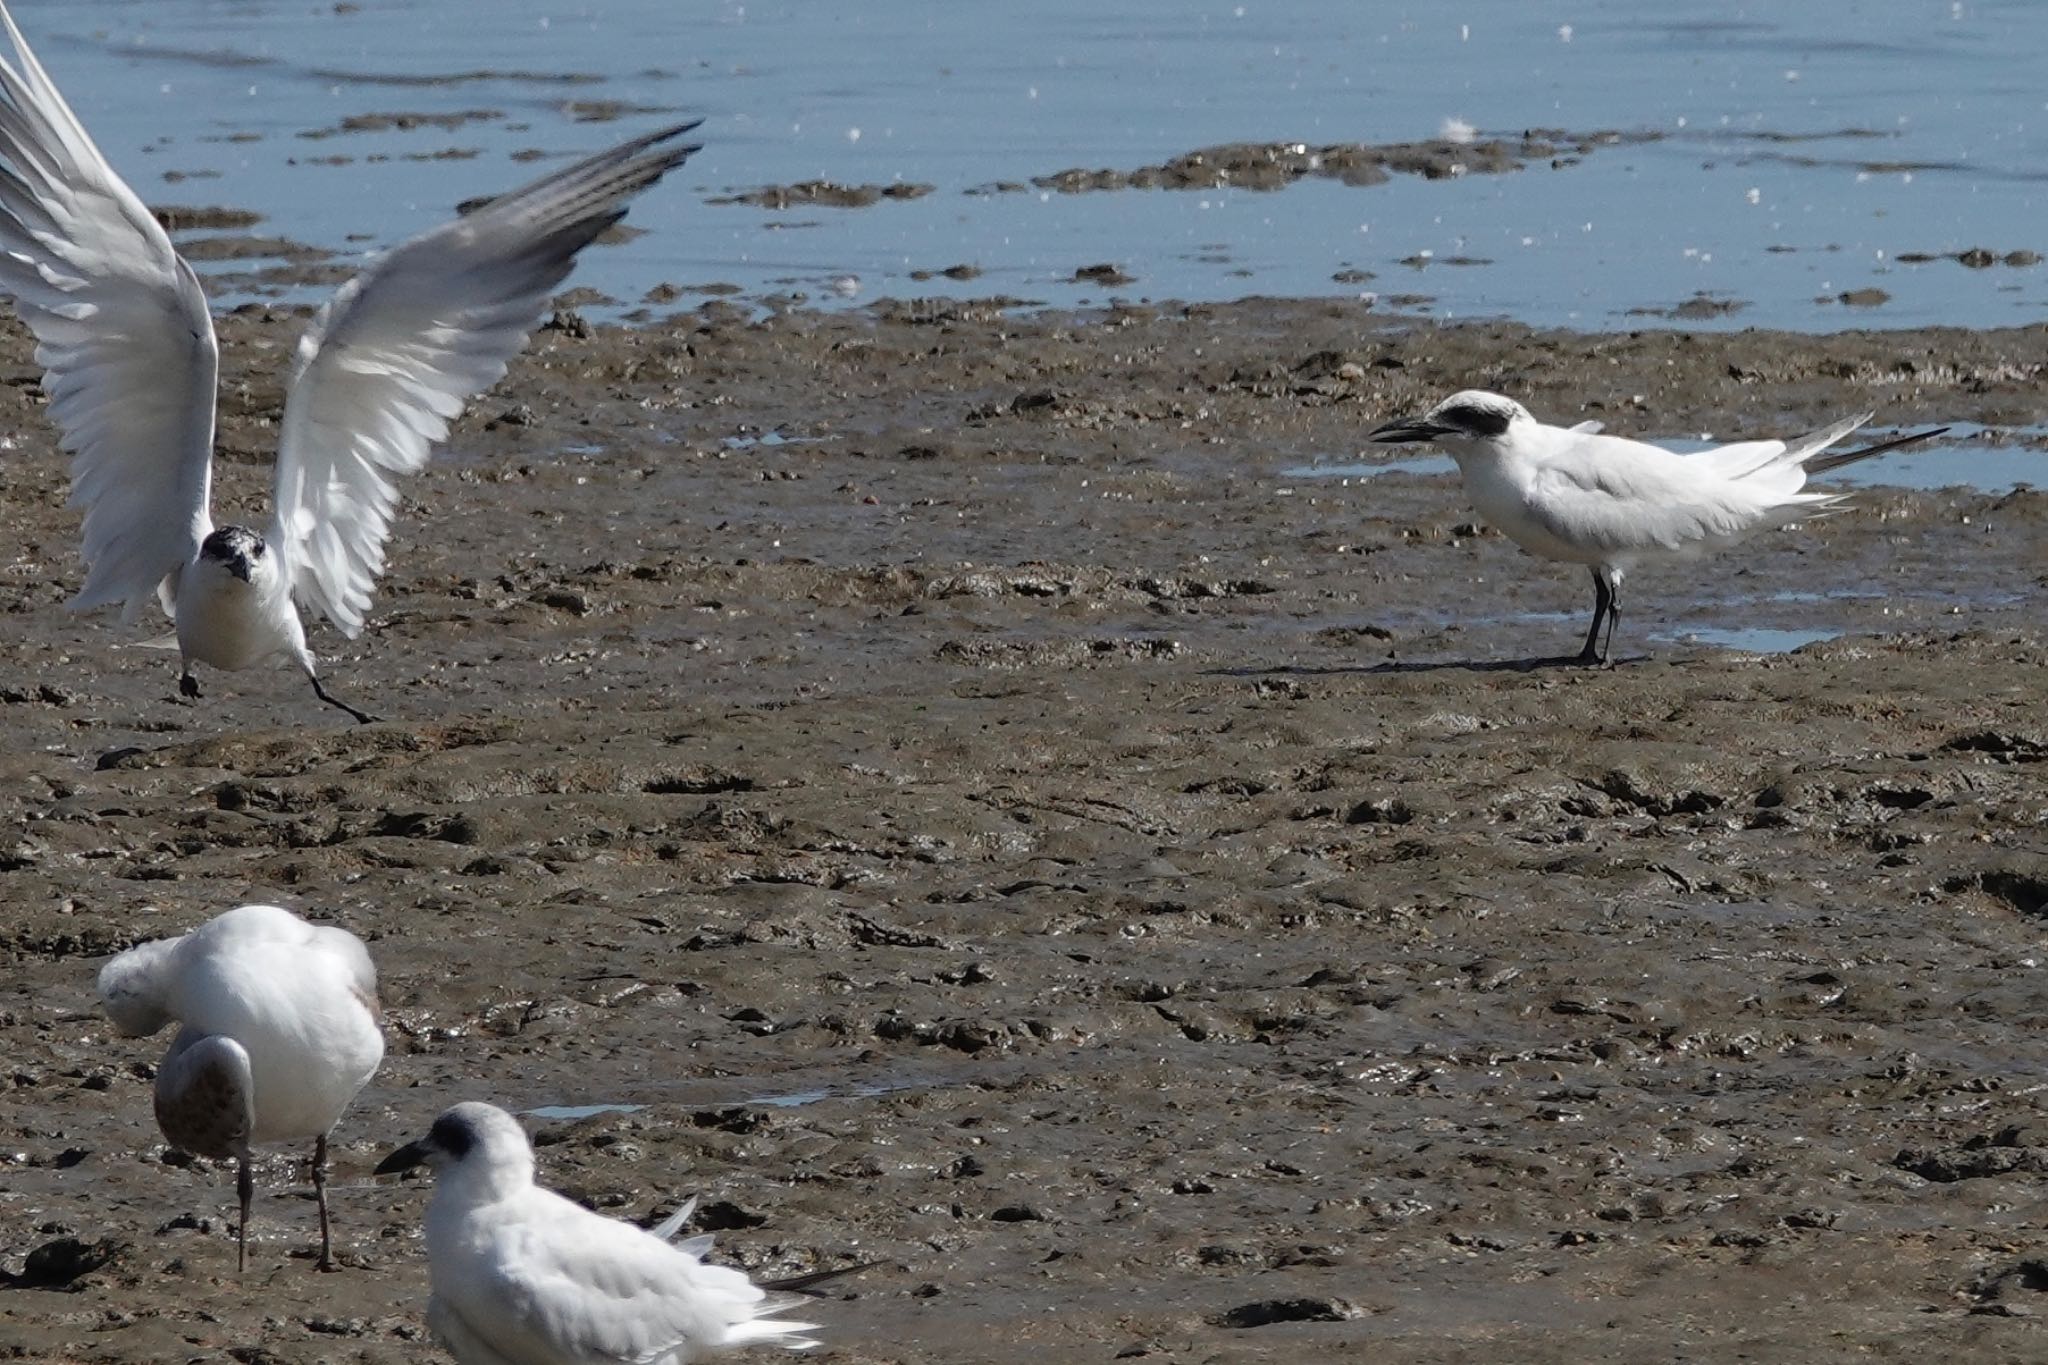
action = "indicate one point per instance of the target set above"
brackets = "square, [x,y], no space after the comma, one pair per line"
[576,1113]
[1802,150]
[1748,639]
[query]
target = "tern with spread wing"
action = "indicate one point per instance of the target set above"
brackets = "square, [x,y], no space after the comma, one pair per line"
[278,1028]
[130,366]
[1610,503]
[522,1276]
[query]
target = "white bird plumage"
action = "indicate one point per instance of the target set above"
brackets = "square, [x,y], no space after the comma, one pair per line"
[522,1276]
[278,1031]
[1607,502]
[131,369]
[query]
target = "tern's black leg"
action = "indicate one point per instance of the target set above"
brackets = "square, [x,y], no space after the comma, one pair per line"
[320,1195]
[362,717]
[1603,611]
[245,1186]
[1613,618]
[188,686]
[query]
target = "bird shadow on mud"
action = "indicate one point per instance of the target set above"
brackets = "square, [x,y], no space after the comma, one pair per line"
[1424,666]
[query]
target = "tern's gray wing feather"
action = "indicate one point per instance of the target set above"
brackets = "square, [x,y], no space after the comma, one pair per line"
[390,361]
[668,1227]
[122,333]
[1780,466]
[1621,498]
[205,1096]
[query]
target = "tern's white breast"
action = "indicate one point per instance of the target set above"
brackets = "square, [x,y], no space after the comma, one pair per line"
[1501,492]
[231,624]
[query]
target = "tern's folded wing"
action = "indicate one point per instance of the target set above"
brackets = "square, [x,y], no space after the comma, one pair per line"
[1645,503]
[122,334]
[349,959]
[390,361]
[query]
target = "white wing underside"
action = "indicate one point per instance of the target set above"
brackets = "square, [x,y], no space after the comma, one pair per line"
[122,334]
[392,359]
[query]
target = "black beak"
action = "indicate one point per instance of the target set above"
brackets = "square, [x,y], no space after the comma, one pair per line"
[239,567]
[404,1159]
[1407,429]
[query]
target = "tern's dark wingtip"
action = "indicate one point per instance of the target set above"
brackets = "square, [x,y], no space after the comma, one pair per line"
[673,131]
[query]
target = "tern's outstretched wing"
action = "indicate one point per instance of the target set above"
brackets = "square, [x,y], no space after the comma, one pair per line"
[122,334]
[389,362]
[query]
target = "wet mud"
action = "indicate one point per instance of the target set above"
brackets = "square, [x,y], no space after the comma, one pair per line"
[957,788]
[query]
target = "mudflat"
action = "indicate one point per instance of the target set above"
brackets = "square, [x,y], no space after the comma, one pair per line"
[956,789]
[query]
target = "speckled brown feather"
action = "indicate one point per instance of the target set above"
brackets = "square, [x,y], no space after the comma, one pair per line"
[209,1112]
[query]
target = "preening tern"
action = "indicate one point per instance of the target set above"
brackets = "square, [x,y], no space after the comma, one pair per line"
[278,1030]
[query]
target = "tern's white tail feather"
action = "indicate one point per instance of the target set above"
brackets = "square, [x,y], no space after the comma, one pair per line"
[1776,468]
[772,1330]
[673,1224]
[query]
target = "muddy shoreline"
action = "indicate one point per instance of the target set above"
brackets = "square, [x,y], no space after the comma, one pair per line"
[986,810]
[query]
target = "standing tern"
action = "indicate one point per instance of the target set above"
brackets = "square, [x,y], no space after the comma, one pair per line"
[278,1030]
[1608,502]
[522,1276]
[131,367]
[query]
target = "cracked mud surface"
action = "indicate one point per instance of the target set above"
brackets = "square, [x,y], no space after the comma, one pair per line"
[996,819]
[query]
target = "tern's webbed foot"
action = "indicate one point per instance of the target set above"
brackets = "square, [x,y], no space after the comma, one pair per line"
[188,686]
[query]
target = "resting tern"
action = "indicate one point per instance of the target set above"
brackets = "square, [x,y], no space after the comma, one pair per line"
[1609,502]
[278,1030]
[522,1276]
[130,366]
